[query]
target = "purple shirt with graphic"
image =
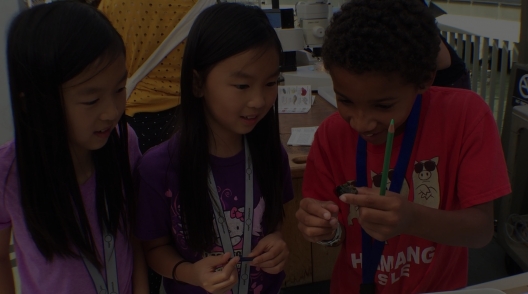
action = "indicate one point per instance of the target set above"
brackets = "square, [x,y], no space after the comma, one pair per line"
[158,212]
[62,275]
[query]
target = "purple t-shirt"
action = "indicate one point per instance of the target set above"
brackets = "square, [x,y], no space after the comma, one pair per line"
[158,215]
[62,275]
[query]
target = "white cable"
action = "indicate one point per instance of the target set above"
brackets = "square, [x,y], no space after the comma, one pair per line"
[517,228]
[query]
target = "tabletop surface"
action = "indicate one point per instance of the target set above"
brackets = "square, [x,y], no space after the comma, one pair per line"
[507,285]
[320,110]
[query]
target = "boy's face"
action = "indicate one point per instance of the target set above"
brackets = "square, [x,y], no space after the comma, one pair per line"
[370,100]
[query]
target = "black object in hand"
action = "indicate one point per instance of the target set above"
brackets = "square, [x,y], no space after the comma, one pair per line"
[347,188]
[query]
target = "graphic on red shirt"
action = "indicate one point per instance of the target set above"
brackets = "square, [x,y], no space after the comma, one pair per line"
[376,181]
[394,267]
[425,180]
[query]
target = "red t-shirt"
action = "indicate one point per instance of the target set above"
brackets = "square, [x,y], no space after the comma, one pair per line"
[460,163]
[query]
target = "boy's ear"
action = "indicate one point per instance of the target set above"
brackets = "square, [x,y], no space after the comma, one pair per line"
[197,84]
[426,85]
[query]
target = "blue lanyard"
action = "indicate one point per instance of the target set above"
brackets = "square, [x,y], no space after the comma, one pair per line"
[371,248]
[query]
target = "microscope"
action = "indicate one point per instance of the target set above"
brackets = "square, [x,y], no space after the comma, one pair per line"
[313,19]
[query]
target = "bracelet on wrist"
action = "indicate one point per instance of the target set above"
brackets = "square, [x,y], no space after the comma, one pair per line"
[175,267]
[335,240]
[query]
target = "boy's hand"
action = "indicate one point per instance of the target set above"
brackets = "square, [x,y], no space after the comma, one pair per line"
[270,253]
[382,217]
[317,219]
[208,276]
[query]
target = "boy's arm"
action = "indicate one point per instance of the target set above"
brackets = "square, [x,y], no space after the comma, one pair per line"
[319,209]
[139,275]
[471,227]
[317,219]
[481,177]
[6,272]
[392,215]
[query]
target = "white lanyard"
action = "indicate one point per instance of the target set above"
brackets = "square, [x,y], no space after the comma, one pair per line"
[223,230]
[175,37]
[111,287]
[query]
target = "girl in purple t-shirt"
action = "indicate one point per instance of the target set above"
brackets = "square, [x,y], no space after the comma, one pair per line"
[211,197]
[65,181]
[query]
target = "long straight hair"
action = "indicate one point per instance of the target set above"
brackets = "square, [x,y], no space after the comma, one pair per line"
[219,32]
[48,45]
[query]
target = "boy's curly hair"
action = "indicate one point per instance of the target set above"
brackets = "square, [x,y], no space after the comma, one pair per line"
[383,36]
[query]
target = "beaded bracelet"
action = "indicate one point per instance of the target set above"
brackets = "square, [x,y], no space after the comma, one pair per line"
[175,267]
[335,240]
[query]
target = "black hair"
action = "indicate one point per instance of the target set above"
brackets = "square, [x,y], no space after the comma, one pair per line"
[219,32]
[47,46]
[383,36]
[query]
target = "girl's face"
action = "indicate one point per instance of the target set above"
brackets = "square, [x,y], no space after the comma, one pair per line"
[239,91]
[370,100]
[94,101]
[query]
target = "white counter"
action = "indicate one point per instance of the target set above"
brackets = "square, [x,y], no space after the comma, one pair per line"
[511,285]
[481,26]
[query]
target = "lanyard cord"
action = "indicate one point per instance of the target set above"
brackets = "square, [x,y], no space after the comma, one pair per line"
[221,223]
[112,286]
[372,249]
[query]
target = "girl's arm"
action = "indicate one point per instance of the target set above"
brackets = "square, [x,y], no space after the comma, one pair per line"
[163,258]
[6,273]
[139,275]
[271,253]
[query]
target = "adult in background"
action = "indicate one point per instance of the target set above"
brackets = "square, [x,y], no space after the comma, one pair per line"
[147,28]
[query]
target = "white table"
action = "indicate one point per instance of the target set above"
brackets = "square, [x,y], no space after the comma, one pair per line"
[511,285]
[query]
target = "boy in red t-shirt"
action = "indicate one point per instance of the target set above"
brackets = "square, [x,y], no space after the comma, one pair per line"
[446,168]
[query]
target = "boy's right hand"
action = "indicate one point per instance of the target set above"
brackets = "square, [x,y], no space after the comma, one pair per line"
[317,219]
[207,275]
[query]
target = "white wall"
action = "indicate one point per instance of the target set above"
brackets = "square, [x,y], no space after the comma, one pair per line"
[8,8]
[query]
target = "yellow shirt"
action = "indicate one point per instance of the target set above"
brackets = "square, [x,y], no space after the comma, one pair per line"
[144,24]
